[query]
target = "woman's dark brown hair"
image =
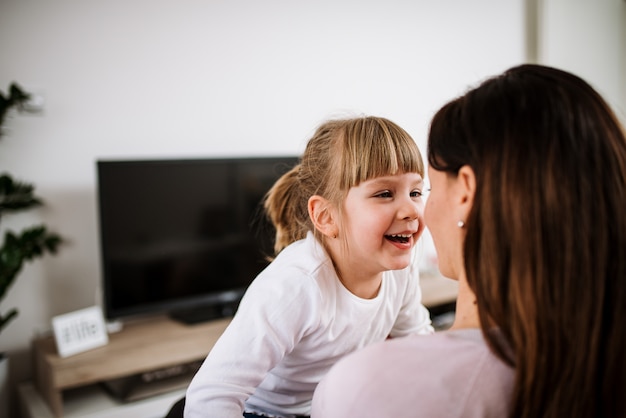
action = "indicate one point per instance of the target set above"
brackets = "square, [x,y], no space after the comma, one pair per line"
[545,250]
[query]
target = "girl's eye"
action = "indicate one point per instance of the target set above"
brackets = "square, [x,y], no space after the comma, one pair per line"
[420,192]
[384,194]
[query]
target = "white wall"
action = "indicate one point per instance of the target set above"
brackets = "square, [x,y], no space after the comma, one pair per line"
[210,78]
[588,37]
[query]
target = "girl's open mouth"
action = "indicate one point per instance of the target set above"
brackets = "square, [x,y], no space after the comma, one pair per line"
[401,238]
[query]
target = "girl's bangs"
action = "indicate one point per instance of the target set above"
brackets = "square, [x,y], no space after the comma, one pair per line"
[381,155]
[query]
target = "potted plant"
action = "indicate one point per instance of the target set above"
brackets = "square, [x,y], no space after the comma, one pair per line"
[28,244]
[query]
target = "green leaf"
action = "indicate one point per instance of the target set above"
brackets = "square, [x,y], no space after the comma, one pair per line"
[5,319]
[16,98]
[32,243]
[16,195]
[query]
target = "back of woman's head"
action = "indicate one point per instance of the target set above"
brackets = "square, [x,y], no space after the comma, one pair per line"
[341,154]
[544,248]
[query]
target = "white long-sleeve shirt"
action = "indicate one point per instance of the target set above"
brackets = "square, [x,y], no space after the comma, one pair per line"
[294,322]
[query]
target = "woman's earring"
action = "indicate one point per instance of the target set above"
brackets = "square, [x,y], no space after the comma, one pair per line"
[460,224]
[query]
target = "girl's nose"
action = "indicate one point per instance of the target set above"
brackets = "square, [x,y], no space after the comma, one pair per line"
[409,210]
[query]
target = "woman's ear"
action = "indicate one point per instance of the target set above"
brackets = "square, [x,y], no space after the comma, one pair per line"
[466,182]
[321,214]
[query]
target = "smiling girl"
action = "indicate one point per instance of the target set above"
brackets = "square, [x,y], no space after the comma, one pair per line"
[347,220]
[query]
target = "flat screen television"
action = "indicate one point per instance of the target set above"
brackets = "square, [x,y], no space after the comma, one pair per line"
[183,237]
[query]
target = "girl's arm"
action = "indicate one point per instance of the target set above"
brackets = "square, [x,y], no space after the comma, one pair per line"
[269,322]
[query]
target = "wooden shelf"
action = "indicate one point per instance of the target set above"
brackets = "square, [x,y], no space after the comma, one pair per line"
[139,347]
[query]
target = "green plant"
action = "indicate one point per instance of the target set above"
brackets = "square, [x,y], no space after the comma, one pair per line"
[32,242]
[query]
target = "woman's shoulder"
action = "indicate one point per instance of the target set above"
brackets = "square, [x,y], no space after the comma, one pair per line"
[441,374]
[466,344]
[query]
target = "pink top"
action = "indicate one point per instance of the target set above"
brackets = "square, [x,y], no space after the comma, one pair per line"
[448,374]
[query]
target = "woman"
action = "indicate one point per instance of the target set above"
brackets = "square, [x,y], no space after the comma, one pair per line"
[528,177]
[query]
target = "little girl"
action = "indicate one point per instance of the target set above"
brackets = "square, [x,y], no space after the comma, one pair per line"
[347,220]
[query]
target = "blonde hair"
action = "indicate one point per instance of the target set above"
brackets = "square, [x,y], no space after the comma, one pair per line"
[341,154]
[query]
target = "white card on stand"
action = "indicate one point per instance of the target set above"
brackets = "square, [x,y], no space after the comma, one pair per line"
[79,331]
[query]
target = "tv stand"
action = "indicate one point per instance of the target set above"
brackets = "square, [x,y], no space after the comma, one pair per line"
[154,345]
[203,314]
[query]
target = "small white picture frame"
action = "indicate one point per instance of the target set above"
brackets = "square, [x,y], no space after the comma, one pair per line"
[79,331]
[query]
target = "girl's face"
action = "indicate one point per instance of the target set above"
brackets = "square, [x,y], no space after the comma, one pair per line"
[383,218]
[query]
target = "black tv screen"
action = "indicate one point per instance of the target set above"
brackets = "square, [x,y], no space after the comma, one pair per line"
[183,237]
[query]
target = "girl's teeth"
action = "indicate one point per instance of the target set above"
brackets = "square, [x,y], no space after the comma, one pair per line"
[404,238]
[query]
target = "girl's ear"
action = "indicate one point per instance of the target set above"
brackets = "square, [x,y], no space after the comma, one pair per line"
[466,180]
[321,214]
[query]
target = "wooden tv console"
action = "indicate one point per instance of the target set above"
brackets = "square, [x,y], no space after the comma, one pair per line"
[139,347]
